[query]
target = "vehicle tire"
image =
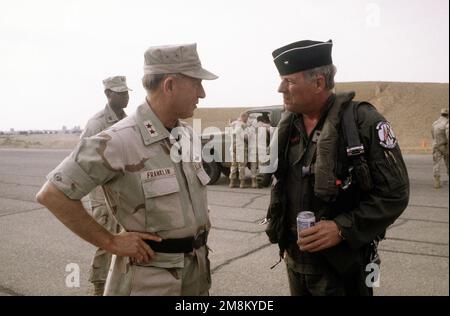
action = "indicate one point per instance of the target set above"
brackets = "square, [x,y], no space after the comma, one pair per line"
[226,171]
[213,171]
[266,180]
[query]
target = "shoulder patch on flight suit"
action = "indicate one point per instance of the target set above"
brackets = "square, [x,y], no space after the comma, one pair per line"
[150,128]
[386,135]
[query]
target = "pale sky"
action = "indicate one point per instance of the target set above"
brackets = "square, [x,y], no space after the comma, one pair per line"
[55,54]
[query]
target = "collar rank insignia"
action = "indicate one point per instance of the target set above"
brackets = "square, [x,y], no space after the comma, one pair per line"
[151,128]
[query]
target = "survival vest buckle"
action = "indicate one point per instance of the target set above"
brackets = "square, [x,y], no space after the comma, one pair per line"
[308,170]
[355,151]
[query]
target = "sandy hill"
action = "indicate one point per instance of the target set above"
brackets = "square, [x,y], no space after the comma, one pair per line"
[410,107]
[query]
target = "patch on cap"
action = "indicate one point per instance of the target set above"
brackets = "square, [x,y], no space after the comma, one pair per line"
[302,55]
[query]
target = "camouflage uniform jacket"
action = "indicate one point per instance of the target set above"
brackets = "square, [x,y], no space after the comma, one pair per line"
[145,190]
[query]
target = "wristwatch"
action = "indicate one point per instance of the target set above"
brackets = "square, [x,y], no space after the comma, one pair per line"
[340,235]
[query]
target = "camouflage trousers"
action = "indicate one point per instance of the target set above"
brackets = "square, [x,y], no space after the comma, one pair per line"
[438,155]
[193,279]
[237,168]
[102,259]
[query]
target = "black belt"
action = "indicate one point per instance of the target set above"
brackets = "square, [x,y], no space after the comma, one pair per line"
[179,245]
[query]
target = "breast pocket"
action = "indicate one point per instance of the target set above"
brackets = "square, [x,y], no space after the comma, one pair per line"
[162,204]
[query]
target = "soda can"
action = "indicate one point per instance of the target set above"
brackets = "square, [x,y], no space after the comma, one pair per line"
[305,220]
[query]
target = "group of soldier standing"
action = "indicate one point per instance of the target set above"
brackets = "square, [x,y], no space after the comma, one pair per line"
[246,144]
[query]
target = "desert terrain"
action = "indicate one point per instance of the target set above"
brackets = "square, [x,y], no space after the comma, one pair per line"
[410,107]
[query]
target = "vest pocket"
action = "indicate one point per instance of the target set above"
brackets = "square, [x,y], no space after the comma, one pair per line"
[162,204]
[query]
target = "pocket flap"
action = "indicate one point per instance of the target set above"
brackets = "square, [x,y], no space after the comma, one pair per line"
[161,186]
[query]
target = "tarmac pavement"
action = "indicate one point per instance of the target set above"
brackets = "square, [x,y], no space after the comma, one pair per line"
[36,248]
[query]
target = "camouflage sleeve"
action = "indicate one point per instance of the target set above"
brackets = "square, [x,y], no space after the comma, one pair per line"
[446,131]
[95,161]
[389,194]
[93,127]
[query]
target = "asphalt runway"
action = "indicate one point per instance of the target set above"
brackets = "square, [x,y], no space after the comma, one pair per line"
[36,249]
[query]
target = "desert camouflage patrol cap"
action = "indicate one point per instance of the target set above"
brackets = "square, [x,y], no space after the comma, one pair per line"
[116,84]
[444,111]
[171,59]
[302,55]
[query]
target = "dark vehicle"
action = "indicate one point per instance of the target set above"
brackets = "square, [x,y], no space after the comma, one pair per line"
[219,165]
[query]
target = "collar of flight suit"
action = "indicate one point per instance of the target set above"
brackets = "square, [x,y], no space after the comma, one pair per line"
[110,115]
[151,128]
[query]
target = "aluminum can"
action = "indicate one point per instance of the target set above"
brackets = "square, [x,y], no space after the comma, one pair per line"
[305,220]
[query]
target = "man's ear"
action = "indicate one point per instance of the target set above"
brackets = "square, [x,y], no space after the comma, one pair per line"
[320,83]
[168,85]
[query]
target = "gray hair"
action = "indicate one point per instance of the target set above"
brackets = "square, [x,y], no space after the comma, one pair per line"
[151,82]
[328,71]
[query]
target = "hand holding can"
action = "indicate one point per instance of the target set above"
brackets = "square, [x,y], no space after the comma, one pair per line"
[305,220]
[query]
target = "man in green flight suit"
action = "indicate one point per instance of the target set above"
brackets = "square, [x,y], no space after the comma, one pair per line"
[355,190]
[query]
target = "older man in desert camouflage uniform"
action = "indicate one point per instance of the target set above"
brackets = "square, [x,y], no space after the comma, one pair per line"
[159,201]
[116,91]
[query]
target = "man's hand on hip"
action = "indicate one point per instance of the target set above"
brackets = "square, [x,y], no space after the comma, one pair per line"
[132,244]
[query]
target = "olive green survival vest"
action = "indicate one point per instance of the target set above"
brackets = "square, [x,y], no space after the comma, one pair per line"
[326,185]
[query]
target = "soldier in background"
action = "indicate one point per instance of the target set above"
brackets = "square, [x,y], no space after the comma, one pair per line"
[259,139]
[439,133]
[239,150]
[116,92]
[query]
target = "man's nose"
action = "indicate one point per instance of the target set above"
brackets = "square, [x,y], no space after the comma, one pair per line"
[201,92]
[282,87]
